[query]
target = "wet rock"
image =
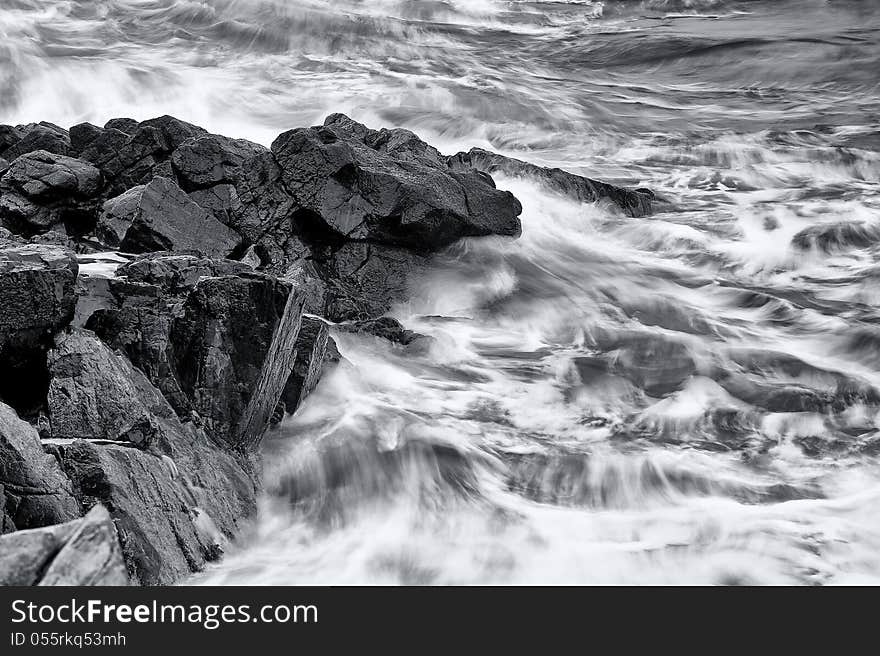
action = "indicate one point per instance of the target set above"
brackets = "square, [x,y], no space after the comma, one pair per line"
[202,330]
[126,125]
[388,187]
[129,156]
[9,136]
[157,501]
[90,556]
[776,397]
[238,182]
[43,191]
[24,139]
[363,280]
[173,130]
[36,491]
[234,345]
[159,216]
[146,298]
[384,328]
[774,379]
[95,393]
[209,160]
[24,555]
[37,297]
[635,202]
[37,292]
[315,354]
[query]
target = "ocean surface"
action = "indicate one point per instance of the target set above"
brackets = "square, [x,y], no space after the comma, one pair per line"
[690,397]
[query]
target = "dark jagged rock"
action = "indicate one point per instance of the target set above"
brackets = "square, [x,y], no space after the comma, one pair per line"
[156,414]
[635,202]
[364,280]
[37,297]
[239,183]
[129,156]
[95,393]
[277,368]
[316,352]
[173,512]
[388,187]
[80,552]
[24,139]
[9,136]
[176,494]
[37,292]
[36,491]
[126,125]
[147,297]
[209,160]
[385,328]
[200,330]
[43,191]
[159,216]
[228,329]
[24,555]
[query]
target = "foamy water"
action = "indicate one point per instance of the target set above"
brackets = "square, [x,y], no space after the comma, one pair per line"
[683,398]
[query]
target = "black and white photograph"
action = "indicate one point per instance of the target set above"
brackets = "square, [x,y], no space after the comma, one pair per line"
[436,293]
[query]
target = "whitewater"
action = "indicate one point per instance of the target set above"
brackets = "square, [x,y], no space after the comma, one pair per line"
[688,397]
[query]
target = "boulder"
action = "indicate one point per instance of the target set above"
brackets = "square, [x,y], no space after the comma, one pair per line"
[89,555]
[237,181]
[316,353]
[364,280]
[175,505]
[146,298]
[837,236]
[97,394]
[159,216]
[234,344]
[37,297]
[43,191]
[388,187]
[655,363]
[25,555]
[37,292]
[24,139]
[385,328]
[9,136]
[203,331]
[130,154]
[634,202]
[36,491]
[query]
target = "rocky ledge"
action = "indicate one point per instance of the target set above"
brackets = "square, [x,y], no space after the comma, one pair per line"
[132,405]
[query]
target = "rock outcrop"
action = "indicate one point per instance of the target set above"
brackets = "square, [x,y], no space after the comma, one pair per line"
[201,330]
[19,140]
[388,187]
[159,216]
[37,297]
[141,398]
[635,202]
[36,492]
[80,552]
[42,191]
[173,512]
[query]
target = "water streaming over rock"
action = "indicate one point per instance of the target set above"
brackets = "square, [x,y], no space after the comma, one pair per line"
[690,397]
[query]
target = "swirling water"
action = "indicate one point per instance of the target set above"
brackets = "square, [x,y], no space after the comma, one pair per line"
[684,398]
